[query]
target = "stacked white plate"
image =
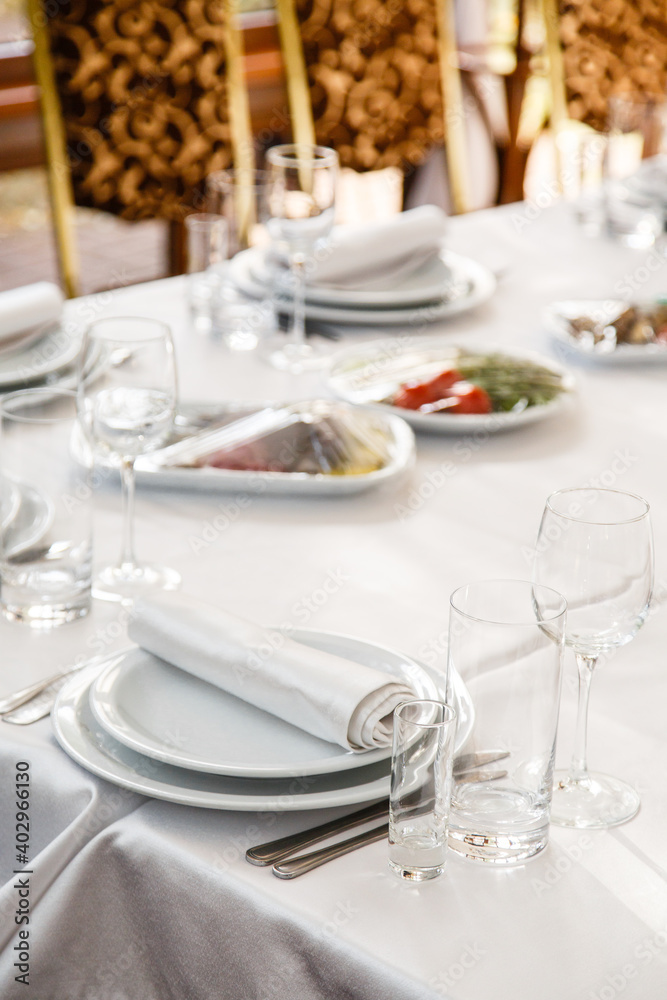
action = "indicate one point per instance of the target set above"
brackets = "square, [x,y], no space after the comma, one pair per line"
[443,285]
[44,355]
[149,727]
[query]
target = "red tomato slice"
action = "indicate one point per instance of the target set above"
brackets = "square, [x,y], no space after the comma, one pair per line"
[413,395]
[463,397]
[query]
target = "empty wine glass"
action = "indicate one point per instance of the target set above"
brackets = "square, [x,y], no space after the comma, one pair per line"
[595,547]
[126,402]
[300,208]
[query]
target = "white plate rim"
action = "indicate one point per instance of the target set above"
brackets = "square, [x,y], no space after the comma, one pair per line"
[483,285]
[108,716]
[462,423]
[26,373]
[335,297]
[622,354]
[40,525]
[67,728]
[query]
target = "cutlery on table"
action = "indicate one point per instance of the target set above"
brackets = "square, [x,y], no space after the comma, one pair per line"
[25,695]
[276,850]
[306,862]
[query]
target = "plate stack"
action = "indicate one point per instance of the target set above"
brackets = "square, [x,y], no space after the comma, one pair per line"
[35,347]
[395,273]
[152,728]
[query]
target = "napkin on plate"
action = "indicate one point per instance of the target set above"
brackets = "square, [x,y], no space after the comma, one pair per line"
[22,309]
[331,697]
[367,257]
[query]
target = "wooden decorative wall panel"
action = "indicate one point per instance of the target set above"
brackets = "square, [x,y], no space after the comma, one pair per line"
[142,85]
[611,46]
[374,78]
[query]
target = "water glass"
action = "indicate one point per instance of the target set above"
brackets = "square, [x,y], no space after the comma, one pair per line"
[506,642]
[207,249]
[46,511]
[421,786]
[636,131]
[239,196]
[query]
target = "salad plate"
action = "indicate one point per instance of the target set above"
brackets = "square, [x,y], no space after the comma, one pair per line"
[524,387]
[166,713]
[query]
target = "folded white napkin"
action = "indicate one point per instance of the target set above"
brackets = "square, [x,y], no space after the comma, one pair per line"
[23,308]
[333,698]
[362,256]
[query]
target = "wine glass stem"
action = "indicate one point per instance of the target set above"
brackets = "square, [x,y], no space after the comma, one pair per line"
[298,331]
[585,666]
[127,480]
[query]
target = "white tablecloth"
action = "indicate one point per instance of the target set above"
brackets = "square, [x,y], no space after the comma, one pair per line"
[135,899]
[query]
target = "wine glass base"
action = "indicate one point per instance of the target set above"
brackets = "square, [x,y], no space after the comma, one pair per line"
[127,582]
[294,358]
[594,801]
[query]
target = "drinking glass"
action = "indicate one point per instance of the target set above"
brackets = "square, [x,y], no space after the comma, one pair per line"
[506,643]
[595,546]
[240,197]
[207,247]
[300,205]
[127,401]
[421,786]
[635,131]
[45,510]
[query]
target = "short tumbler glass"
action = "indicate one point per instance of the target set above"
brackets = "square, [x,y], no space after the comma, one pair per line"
[421,785]
[506,642]
[46,516]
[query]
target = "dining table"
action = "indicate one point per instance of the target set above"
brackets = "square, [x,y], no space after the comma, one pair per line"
[134,898]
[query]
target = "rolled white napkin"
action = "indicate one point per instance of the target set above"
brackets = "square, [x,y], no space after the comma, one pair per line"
[23,308]
[333,698]
[361,257]
[366,258]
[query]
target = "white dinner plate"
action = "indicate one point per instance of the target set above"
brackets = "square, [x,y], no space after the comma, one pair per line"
[151,470]
[477,285]
[165,713]
[54,350]
[369,373]
[441,276]
[32,519]
[556,319]
[79,734]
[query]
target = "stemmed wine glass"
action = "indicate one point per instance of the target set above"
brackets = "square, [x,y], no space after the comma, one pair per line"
[126,402]
[595,547]
[301,193]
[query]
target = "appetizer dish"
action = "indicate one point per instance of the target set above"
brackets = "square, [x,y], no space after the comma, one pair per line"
[613,327]
[310,447]
[447,389]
